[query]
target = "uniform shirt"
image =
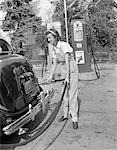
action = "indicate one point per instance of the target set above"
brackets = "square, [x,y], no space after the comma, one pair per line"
[59,53]
[61,49]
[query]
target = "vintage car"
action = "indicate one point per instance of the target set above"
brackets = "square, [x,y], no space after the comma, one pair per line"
[21,96]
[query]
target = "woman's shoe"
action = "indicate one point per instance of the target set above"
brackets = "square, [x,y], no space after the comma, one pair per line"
[75,125]
[62,119]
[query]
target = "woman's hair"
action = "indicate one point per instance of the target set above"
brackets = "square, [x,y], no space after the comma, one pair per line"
[54,33]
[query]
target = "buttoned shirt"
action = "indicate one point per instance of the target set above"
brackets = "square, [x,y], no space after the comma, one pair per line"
[61,49]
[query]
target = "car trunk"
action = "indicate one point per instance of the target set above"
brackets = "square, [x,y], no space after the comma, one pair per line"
[12,94]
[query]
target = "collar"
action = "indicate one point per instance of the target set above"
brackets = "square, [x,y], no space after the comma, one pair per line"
[57,47]
[59,44]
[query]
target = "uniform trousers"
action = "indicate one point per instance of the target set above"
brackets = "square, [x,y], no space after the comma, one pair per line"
[70,101]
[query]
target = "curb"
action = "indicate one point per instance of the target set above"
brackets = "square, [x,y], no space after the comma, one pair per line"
[87,76]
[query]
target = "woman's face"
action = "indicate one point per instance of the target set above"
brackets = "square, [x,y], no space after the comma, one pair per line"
[51,39]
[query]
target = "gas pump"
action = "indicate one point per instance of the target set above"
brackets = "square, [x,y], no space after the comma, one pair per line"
[79,43]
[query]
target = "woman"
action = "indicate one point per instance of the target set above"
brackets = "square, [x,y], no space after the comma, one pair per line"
[63,52]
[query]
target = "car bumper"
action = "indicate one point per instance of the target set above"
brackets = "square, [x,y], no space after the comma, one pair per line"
[30,115]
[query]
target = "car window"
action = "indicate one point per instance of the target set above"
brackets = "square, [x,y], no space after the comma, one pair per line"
[4,46]
[0,49]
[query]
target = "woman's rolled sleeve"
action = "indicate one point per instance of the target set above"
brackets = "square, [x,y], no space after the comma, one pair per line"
[66,48]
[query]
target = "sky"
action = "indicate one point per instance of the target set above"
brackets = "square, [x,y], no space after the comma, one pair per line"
[2,14]
[1,1]
[44,6]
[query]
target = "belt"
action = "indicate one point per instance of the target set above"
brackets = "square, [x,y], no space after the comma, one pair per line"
[61,62]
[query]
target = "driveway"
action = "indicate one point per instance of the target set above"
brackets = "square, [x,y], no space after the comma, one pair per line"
[97,121]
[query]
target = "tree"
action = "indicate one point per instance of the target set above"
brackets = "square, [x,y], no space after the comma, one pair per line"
[102,19]
[59,15]
[20,20]
[99,16]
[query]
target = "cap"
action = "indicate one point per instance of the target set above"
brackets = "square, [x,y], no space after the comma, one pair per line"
[53,31]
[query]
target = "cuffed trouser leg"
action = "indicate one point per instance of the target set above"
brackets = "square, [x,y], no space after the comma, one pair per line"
[72,99]
[66,106]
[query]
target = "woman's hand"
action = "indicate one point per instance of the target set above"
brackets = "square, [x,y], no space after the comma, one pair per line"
[49,80]
[67,80]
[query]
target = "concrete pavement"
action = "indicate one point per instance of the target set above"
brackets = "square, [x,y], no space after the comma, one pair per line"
[97,121]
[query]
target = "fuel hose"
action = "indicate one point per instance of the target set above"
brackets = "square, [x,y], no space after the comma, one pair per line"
[96,68]
[42,128]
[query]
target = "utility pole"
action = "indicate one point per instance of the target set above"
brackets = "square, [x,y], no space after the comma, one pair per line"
[66,25]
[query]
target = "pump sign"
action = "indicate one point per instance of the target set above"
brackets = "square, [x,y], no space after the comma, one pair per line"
[78,55]
[78,31]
